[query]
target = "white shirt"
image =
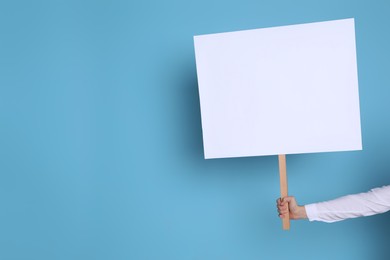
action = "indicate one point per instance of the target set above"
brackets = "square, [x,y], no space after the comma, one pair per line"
[351,206]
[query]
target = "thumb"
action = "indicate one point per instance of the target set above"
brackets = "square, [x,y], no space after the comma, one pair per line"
[290,200]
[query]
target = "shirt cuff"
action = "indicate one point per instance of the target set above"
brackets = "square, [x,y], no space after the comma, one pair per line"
[311,211]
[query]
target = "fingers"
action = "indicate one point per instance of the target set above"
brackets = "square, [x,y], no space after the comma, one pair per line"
[282,210]
[285,201]
[282,206]
[281,201]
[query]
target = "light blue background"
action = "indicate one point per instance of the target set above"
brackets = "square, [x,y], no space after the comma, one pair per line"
[101,148]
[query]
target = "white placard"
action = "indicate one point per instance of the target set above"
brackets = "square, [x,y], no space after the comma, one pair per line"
[281,90]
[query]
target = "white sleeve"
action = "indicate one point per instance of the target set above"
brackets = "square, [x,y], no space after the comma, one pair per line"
[357,205]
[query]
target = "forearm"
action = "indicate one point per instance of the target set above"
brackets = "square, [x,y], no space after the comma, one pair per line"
[363,204]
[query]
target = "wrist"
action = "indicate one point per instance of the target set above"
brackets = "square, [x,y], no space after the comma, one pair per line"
[301,212]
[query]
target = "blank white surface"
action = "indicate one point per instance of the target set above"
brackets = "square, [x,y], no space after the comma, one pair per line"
[281,90]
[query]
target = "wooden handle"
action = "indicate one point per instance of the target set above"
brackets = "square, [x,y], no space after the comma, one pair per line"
[283,187]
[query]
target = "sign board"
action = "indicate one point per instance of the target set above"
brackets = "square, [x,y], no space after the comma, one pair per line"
[281,90]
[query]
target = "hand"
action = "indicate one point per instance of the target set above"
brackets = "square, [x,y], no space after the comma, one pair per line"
[289,205]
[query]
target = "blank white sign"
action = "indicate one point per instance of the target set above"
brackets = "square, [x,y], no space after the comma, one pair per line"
[281,90]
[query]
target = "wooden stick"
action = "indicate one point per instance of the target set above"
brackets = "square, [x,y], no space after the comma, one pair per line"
[283,187]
